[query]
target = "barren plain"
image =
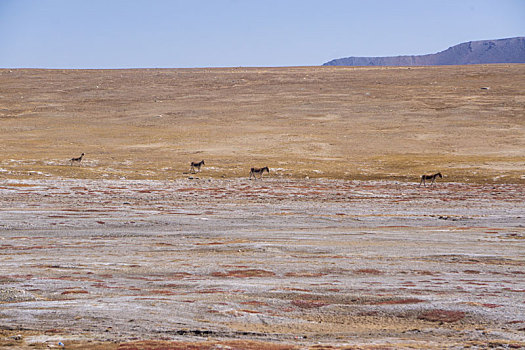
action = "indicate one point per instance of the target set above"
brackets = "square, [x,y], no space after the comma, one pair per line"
[337,248]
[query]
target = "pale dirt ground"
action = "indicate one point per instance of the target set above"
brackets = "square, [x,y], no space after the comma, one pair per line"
[337,248]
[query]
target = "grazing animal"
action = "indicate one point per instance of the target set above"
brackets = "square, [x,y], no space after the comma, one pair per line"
[77,160]
[196,165]
[429,177]
[260,171]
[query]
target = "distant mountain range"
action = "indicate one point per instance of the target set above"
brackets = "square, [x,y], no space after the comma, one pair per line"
[510,50]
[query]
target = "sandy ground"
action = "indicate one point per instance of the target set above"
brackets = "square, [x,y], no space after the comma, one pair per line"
[337,248]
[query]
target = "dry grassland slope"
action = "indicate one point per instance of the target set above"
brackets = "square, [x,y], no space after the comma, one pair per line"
[335,122]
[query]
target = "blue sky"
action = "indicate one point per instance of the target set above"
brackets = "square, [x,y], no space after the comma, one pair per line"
[231,33]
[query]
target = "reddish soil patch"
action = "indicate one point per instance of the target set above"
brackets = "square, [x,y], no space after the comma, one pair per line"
[491,306]
[249,311]
[399,301]
[254,302]
[161,292]
[426,273]
[442,315]
[308,304]
[295,289]
[515,322]
[179,275]
[210,243]
[368,272]
[305,274]
[209,291]
[75,292]
[244,273]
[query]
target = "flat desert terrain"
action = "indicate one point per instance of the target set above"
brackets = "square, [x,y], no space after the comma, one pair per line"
[336,248]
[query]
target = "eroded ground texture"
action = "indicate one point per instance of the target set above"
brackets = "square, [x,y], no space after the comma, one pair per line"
[277,263]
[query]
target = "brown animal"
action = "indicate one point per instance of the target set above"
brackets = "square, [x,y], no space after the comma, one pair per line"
[429,177]
[260,171]
[77,160]
[196,165]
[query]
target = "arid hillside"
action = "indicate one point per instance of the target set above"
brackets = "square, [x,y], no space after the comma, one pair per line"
[333,122]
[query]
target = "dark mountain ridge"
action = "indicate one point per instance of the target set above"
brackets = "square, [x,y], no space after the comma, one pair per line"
[511,50]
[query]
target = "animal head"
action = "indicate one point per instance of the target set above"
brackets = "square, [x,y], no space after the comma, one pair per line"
[266,168]
[202,161]
[439,174]
[82,154]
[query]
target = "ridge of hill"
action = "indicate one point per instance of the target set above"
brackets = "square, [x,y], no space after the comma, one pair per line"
[511,50]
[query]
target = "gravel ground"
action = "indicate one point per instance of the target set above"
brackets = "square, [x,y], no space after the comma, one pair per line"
[267,264]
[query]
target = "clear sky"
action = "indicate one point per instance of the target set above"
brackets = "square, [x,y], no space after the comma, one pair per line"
[230,33]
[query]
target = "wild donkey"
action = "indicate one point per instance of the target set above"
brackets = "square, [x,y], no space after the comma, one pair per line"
[196,165]
[77,160]
[259,171]
[429,177]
